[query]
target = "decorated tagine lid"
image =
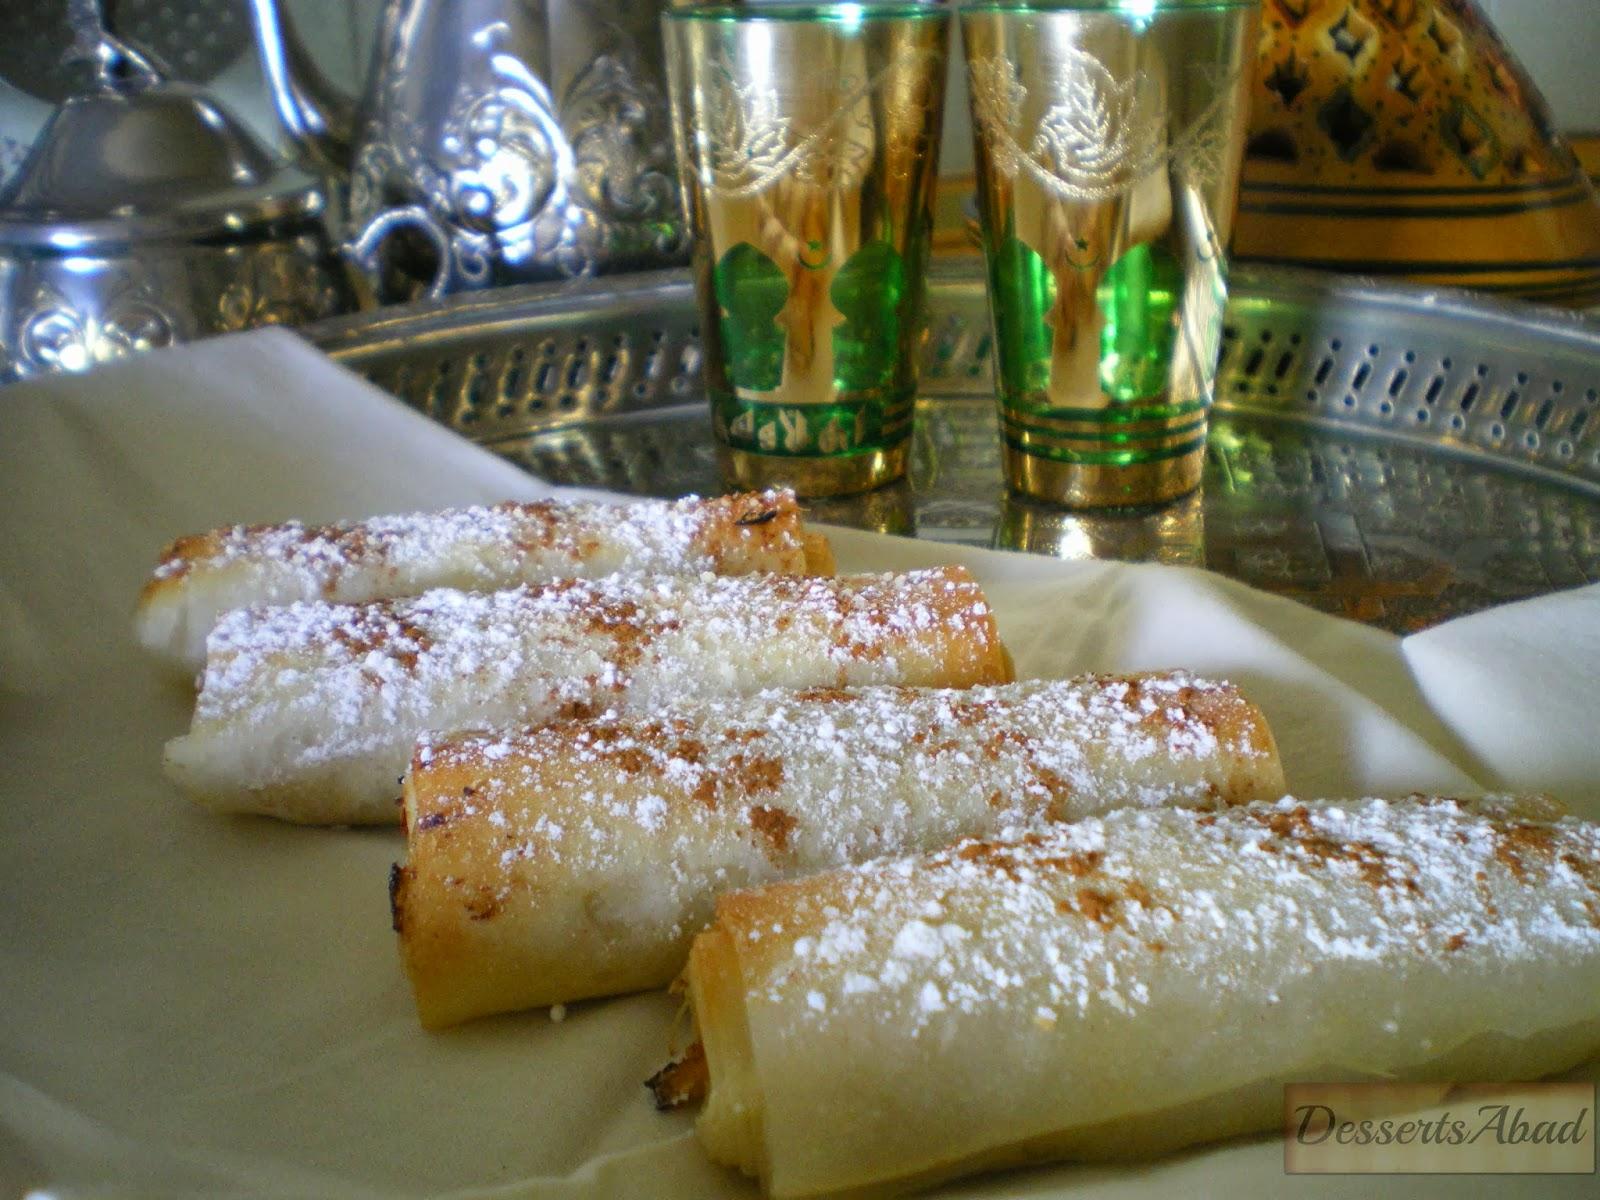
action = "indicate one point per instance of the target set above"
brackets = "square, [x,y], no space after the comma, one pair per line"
[1399,137]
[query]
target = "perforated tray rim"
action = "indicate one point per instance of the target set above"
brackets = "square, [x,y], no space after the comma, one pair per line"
[1510,383]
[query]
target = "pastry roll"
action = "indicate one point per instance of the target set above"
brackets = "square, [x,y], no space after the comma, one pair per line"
[580,858]
[1134,983]
[309,711]
[201,577]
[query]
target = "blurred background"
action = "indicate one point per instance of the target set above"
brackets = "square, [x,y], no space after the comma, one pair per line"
[1391,504]
[209,41]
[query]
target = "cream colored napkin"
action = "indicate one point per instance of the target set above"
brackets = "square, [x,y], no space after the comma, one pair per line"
[1520,685]
[192,1004]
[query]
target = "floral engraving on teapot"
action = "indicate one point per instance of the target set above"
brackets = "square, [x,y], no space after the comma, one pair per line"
[276,286]
[624,161]
[53,334]
[513,179]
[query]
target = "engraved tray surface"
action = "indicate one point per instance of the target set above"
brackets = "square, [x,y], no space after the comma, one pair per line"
[1397,455]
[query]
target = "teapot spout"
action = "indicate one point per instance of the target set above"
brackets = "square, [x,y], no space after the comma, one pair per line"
[316,116]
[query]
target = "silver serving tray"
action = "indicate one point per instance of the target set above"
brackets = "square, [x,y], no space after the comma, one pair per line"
[1398,455]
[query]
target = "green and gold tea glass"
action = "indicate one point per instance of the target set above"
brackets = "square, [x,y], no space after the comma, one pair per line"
[808,139]
[1109,135]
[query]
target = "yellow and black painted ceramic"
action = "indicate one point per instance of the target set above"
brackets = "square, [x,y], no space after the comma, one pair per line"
[1399,137]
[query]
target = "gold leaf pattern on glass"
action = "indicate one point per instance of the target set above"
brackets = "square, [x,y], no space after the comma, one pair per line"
[744,145]
[1101,137]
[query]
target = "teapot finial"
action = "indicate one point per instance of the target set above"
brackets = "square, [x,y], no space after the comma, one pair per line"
[312,112]
[116,63]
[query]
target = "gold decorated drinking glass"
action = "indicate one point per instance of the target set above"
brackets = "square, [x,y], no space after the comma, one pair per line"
[808,142]
[1109,135]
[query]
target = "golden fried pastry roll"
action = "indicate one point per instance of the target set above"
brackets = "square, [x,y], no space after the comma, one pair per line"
[310,711]
[203,576]
[580,858]
[1133,983]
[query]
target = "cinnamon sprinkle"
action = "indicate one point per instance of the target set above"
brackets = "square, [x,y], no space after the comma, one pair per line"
[1073,917]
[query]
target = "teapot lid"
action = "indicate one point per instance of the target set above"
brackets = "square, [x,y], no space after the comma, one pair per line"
[143,159]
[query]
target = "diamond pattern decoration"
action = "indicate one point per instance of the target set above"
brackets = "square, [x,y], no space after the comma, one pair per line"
[1351,35]
[1397,14]
[1444,34]
[1504,80]
[1471,139]
[1288,79]
[1294,11]
[1415,114]
[1408,80]
[1348,125]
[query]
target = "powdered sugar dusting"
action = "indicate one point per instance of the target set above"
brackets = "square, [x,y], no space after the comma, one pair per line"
[308,684]
[489,547]
[823,777]
[1101,915]
[703,796]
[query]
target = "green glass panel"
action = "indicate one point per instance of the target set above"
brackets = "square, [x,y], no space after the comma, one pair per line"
[867,291]
[1023,292]
[1138,299]
[751,292]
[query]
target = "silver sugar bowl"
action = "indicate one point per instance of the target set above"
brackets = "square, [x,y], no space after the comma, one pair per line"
[145,215]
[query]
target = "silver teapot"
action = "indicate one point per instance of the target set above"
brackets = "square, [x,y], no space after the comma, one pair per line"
[145,215]
[505,141]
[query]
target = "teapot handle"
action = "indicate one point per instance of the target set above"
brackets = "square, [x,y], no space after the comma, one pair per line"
[319,119]
[363,251]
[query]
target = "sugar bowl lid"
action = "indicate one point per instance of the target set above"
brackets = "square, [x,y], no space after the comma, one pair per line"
[141,159]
